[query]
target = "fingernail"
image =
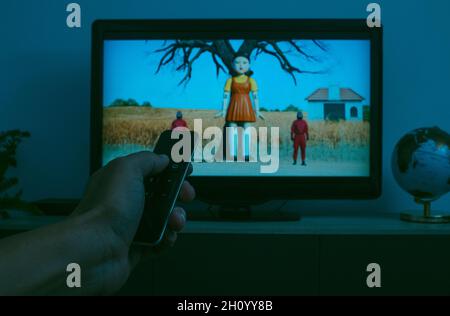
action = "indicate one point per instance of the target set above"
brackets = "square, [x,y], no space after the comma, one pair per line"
[183,214]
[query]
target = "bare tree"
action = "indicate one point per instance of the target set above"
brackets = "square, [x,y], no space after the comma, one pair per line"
[223,53]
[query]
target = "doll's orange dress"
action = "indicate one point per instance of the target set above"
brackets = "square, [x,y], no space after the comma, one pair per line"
[240,108]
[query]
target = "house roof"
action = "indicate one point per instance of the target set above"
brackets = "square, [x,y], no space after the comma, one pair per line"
[346,94]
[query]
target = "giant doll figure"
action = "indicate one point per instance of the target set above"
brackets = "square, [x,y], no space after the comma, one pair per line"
[237,107]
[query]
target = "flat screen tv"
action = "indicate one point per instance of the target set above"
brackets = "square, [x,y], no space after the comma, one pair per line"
[279,91]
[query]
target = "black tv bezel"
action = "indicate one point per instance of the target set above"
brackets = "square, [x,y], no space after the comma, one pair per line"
[235,190]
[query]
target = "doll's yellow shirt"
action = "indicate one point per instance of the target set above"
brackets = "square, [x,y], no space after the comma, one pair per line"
[241,79]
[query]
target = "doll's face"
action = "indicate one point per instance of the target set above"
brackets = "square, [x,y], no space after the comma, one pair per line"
[241,64]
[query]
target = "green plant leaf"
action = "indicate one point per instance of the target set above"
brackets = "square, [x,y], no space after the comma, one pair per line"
[7,184]
[9,141]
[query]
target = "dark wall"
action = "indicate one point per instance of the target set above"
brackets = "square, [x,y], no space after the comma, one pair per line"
[45,73]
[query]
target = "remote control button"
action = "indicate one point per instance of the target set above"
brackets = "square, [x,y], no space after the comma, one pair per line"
[164,195]
[167,185]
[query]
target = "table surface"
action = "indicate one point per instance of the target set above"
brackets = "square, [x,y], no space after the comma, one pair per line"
[380,224]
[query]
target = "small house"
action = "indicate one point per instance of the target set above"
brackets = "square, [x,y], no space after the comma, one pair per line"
[335,103]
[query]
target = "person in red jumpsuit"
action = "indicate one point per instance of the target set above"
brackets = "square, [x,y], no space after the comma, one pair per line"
[299,135]
[179,122]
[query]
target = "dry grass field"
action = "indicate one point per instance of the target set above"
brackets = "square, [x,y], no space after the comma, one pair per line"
[128,129]
[140,125]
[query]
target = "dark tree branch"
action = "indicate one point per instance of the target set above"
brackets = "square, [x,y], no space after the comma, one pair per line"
[222,54]
[284,62]
[188,66]
[225,51]
[219,67]
[301,51]
[320,45]
[167,58]
[247,47]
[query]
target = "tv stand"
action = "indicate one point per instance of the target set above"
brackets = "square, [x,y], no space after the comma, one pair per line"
[241,213]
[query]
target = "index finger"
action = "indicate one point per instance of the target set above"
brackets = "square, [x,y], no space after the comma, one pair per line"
[148,163]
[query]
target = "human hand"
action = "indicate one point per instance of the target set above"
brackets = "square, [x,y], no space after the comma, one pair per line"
[115,196]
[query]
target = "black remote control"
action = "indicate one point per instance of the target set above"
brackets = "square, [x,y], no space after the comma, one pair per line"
[162,190]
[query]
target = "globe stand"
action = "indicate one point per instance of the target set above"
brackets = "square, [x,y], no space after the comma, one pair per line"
[426,218]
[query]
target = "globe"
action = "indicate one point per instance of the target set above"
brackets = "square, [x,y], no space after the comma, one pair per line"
[421,163]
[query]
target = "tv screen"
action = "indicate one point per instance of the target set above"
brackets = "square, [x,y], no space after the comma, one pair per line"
[147,83]
[282,107]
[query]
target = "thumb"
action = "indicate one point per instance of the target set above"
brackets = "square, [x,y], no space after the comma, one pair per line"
[148,163]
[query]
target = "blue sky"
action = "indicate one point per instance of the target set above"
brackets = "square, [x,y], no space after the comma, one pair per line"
[130,65]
